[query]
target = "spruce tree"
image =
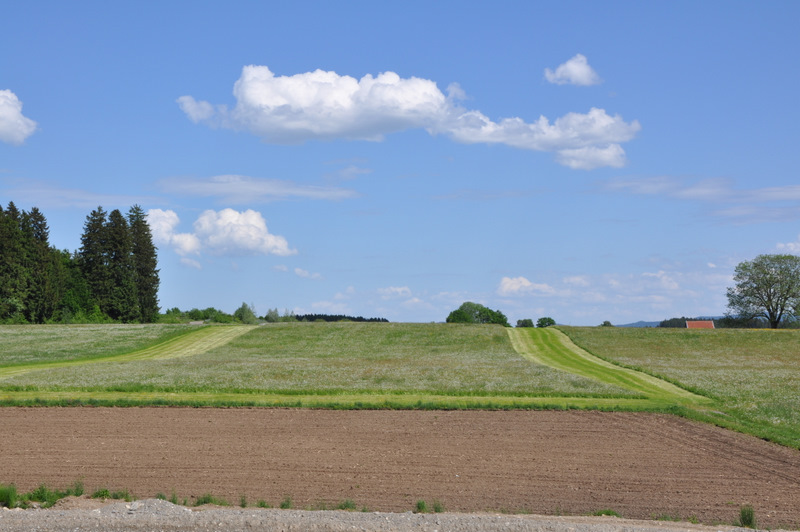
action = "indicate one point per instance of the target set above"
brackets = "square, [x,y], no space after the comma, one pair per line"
[123,302]
[42,265]
[14,277]
[145,264]
[93,257]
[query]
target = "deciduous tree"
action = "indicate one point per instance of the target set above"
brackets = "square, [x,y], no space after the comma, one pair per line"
[470,312]
[767,287]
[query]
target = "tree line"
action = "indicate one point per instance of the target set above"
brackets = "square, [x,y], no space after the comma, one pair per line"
[113,277]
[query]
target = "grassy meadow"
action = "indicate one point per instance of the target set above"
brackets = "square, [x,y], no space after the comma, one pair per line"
[28,344]
[307,359]
[753,375]
[748,380]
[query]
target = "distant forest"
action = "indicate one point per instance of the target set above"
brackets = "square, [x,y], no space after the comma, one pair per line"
[337,317]
[113,277]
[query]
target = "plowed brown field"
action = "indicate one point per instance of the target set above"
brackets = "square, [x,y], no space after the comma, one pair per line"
[640,465]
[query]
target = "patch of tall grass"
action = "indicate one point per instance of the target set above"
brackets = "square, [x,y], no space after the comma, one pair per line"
[29,344]
[752,374]
[329,359]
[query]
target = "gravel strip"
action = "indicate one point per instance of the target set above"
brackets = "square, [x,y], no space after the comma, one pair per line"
[158,515]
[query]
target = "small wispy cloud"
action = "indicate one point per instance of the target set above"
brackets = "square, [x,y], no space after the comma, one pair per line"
[392,292]
[49,195]
[239,189]
[738,205]
[305,274]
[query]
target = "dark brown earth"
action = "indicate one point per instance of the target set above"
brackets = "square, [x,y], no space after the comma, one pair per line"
[643,466]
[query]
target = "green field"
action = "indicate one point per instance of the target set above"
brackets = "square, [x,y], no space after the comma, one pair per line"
[744,379]
[753,375]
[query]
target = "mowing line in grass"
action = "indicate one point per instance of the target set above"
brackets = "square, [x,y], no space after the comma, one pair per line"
[553,348]
[194,343]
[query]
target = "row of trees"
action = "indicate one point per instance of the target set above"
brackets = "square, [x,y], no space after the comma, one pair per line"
[112,277]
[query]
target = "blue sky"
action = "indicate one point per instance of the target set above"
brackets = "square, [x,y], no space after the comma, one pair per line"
[587,161]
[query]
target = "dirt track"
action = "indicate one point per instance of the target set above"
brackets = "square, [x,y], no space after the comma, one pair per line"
[640,465]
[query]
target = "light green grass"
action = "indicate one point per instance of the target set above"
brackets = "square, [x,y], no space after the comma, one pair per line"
[753,375]
[551,347]
[184,343]
[334,359]
[28,344]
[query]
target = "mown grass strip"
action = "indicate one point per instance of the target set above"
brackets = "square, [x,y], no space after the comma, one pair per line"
[200,341]
[337,401]
[551,347]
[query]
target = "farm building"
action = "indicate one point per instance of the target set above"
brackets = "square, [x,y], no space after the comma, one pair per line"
[699,324]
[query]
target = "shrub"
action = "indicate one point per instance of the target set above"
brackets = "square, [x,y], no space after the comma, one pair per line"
[747,517]
[8,496]
[347,504]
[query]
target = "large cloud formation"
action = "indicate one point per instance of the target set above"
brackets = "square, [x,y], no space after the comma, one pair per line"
[227,232]
[14,127]
[325,105]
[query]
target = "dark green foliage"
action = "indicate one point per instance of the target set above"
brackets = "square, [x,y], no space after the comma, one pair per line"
[102,493]
[545,322]
[747,517]
[112,277]
[286,504]
[470,312]
[145,264]
[290,316]
[210,499]
[8,496]
[122,302]
[347,504]
[767,287]
[527,322]
[245,314]
[606,324]
[675,323]
[93,257]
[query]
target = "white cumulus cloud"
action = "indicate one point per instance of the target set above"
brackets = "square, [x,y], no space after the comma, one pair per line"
[14,126]
[230,232]
[162,224]
[510,286]
[226,232]
[324,105]
[576,71]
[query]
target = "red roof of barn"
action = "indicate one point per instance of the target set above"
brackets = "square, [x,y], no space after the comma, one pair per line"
[700,324]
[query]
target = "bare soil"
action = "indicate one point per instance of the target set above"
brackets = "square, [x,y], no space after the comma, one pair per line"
[643,466]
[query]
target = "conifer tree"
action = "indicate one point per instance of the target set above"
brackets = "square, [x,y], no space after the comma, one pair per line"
[93,257]
[122,303]
[14,278]
[145,262]
[43,266]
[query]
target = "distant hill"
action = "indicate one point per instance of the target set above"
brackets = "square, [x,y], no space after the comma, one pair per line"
[657,323]
[641,324]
